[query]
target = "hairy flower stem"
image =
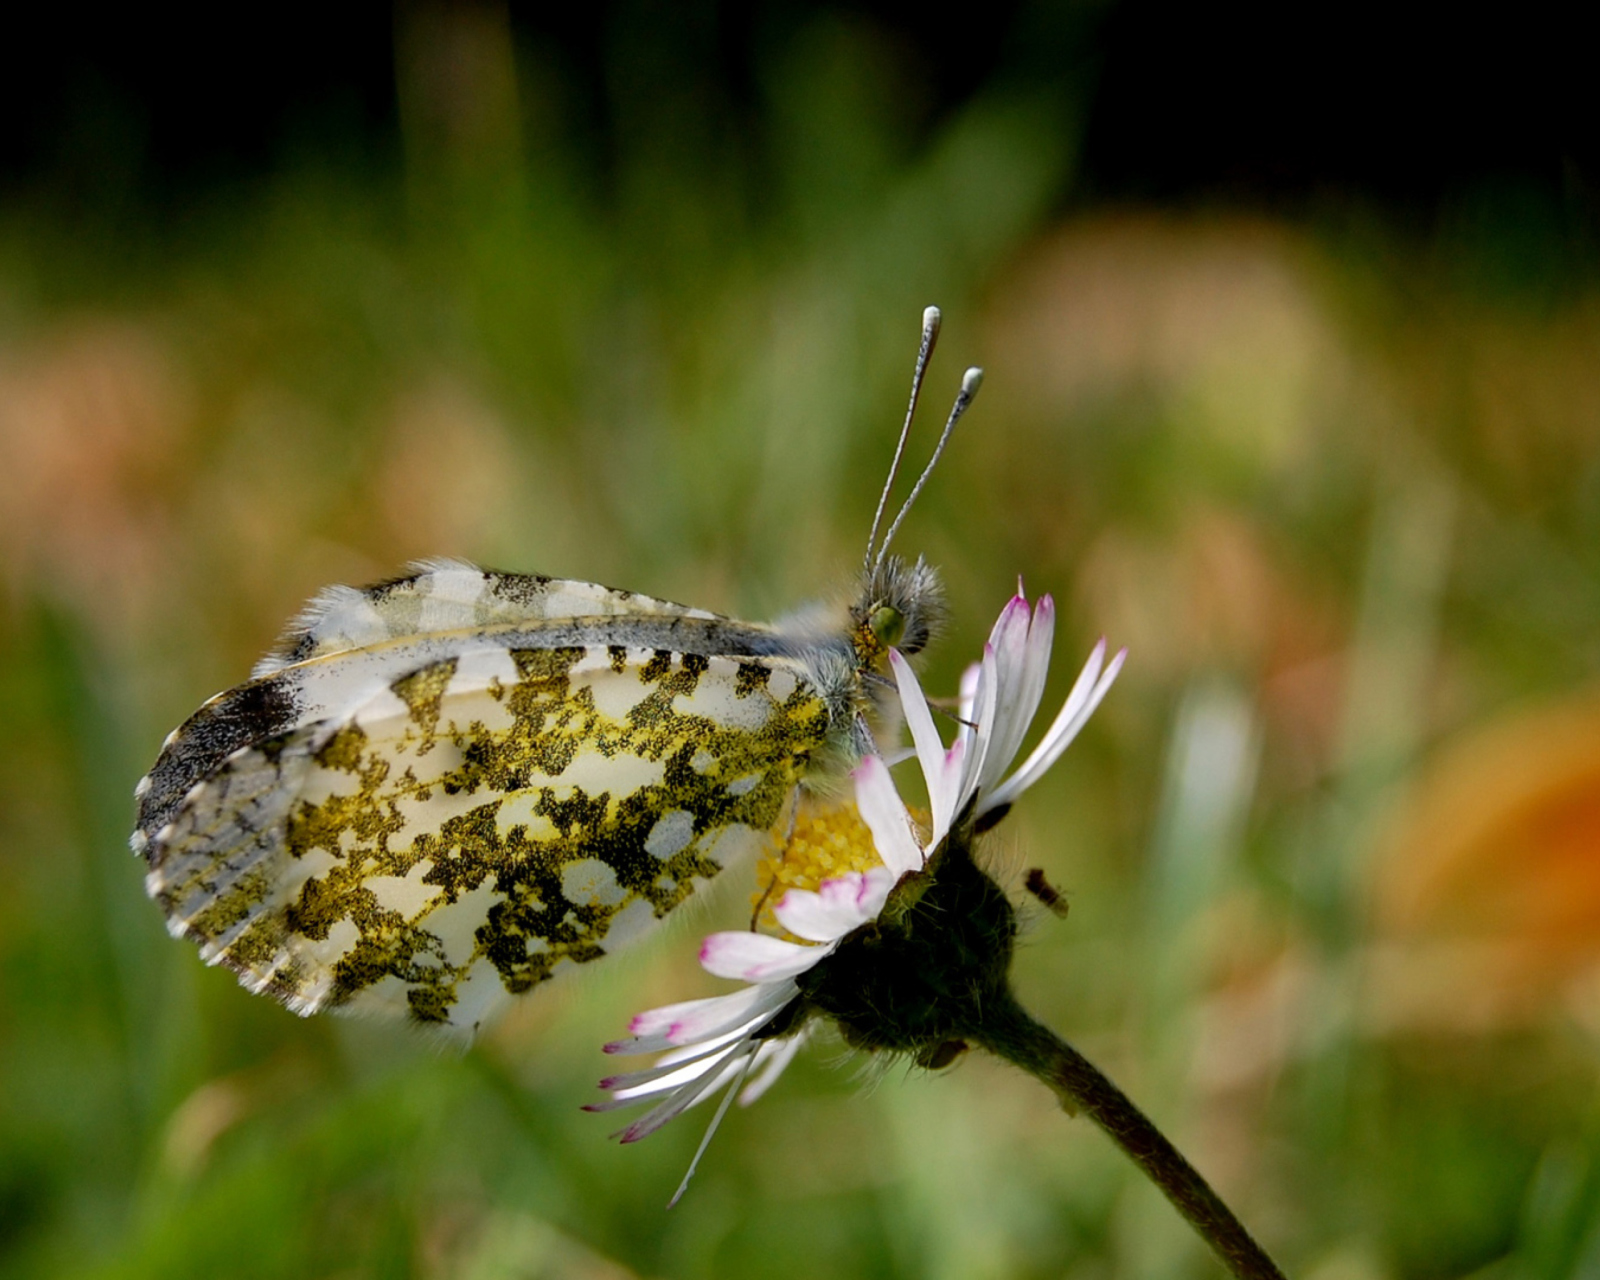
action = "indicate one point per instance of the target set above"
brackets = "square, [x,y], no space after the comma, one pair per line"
[1009,1032]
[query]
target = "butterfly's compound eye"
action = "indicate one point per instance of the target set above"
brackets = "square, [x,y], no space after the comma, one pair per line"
[887,624]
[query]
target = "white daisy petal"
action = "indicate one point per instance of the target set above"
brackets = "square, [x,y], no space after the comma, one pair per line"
[1076,698]
[771,1060]
[981,758]
[684,1098]
[1007,646]
[628,1085]
[671,1079]
[1022,690]
[863,895]
[930,750]
[1060,734]
[730,1009]
[873,893]
[1083,686]
[839,905]
[611,1104]
[755,957]
[1041,637]
[805,914]
[701,1020]
[969,698]
[1009,636]
[711,1129]
[946,793]
[886,817]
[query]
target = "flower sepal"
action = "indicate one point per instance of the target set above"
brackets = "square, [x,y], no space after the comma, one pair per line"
[922,973]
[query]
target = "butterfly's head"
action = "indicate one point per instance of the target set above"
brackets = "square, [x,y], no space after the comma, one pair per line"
[900,606]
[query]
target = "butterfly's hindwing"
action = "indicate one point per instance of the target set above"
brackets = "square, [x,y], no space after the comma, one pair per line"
[478,823]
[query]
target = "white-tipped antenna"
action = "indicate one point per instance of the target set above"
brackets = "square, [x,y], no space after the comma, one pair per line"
[930,335]
[970,382]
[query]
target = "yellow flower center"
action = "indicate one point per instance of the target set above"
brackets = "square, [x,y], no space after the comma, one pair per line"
[829,840]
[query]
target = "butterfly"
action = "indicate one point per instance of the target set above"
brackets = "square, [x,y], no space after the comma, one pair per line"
[441,791]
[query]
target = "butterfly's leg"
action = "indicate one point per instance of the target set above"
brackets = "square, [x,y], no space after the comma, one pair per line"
[788,840]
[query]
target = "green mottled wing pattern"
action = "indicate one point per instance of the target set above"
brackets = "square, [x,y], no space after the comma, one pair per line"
[351,643]
[468,829]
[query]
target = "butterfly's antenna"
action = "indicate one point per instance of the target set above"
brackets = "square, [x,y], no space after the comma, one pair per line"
[970,382]
[930,335]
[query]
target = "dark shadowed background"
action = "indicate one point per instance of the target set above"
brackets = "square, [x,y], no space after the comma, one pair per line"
[1292,327]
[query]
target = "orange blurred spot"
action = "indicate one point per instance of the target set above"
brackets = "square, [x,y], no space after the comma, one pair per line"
[1488,892]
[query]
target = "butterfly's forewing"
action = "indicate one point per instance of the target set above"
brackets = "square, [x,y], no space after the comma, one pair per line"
[351,642]
[473,826]
[449,595]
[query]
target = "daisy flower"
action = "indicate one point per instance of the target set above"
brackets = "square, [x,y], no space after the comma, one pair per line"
[743,1041]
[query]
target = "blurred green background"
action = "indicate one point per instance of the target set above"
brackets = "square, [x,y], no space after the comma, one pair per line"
[1293,388]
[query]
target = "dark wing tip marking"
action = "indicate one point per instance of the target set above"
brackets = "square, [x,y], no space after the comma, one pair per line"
[241,717]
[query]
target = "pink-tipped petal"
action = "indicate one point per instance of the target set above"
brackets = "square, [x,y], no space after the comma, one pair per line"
[1009,635]
[679,1077]
[886,817]
[672,1072]
[859,896]
[839,905]
[858,893]
[804,914]
[703,1020]
[1004,655]
[729,1008]
[1022,671]
[685,1097]
[754,957]
[610,1104]
[1035,671]
[631,1084]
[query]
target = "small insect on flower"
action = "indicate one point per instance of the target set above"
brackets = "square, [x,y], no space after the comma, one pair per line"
[852,960]
[1053,899]
[440,791]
